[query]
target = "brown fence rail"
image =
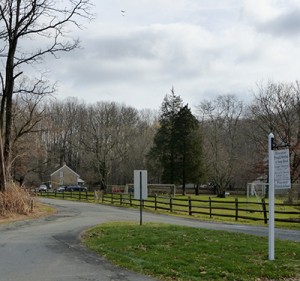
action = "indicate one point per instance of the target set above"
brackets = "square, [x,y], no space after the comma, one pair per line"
[234,209]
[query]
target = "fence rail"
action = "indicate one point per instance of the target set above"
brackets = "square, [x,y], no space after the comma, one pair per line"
[212,208]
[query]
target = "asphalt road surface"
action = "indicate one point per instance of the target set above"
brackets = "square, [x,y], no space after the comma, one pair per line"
[49,248]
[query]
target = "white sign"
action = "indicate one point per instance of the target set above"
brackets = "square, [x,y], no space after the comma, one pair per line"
[140,184]
[282,178]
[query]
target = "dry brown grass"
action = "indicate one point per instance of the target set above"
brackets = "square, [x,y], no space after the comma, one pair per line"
[15,200]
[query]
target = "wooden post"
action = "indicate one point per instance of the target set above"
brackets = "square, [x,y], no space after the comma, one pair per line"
[190,205]
[102,196]
[112,198]
[121,199]
[79,195]
[155,201]
[171,205]
[263,201]
[210,208]
[130,199]
[95,196]
[236,209]
[31,205]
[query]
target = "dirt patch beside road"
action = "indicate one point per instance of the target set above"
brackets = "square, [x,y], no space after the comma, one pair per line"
[39,210]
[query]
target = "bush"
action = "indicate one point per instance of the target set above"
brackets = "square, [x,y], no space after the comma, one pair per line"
[15,200]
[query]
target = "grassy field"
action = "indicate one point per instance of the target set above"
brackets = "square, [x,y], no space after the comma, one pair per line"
[220,208]
[177,253]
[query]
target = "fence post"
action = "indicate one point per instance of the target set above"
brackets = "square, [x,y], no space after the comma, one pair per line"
[31,205]
[95,196]
[121,199]
[171,205]
[130,198]
[210,208]
[112,198]
[102,196]
[86,196]
[190,205]
[236,209]
[265,210]
[79,195]
[155,201]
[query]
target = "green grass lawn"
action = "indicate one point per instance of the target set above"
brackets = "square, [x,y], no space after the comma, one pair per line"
[171,252]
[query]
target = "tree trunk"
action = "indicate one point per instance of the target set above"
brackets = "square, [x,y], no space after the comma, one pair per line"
[2,167]
[197,189]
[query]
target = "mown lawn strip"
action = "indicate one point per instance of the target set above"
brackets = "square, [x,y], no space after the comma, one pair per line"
[178,253]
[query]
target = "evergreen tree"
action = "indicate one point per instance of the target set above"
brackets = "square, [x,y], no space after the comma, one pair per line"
[163,150]
[177,143]
[188,147]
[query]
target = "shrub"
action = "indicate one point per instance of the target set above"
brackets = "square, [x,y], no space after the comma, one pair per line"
[15,200]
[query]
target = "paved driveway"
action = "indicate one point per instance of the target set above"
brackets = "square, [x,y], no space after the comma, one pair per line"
[48,249]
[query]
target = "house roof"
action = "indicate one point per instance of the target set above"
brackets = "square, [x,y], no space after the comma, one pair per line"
[64,166]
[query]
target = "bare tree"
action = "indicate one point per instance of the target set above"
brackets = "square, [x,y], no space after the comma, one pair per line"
[28,111]
[29,31]
[139,142]
[276,109]
[220,119]
[110,133]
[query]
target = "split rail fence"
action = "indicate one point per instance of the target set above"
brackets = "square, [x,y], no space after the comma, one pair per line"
[212,207]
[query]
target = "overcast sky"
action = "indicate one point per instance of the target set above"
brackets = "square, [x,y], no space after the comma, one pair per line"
[201,48]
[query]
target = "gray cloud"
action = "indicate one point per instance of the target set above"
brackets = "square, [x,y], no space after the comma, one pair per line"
[154,53]
[202,55]
[287,24]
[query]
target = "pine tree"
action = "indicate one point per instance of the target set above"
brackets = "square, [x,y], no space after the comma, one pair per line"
[177,143]
[188,147]
[163,150]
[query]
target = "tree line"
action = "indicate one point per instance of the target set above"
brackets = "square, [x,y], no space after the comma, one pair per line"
[223,142]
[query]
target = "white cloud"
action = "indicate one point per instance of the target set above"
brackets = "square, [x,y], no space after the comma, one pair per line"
[261,11]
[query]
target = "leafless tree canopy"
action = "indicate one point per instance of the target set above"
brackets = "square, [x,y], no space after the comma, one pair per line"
[29,31]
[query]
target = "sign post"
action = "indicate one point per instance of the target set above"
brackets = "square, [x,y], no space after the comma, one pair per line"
[279,178]
[140,189]
[271,196]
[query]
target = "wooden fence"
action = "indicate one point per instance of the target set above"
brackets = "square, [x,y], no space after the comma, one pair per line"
[212,207]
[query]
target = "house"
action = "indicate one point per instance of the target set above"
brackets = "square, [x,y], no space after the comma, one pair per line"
[65,176]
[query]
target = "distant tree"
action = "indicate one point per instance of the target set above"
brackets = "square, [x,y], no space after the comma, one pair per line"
[138,145]
[188,146]
[107,136]
[28,111]
[220,120]
[177,144]
[29,31]
[276,109]
[164,150]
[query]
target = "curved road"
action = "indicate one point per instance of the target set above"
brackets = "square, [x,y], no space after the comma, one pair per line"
[49,248]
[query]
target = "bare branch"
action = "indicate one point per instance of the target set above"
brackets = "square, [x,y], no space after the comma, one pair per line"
[22,20]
